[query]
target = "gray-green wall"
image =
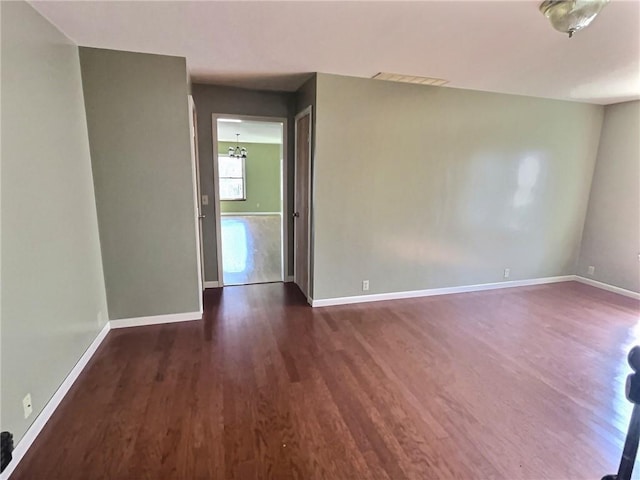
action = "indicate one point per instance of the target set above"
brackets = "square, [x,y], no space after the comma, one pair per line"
[137,115]
[421,187]
[210,99]
[52,283]
[262,176]
[611,240]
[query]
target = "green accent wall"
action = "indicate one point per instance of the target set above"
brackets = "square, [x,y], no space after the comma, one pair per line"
[262,173]
[138,123]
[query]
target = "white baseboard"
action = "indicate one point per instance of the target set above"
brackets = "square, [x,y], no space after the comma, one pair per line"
[437,291]
[46,413]
[243,214]
[155,319]
[211,284]
[606,286]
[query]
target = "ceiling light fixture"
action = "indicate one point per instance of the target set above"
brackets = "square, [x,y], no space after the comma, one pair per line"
[238,152]
[569,16]
[230,120]
[397,77]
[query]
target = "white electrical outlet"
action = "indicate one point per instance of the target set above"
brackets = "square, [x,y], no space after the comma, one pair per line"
[507,272]
[365,285]
[591,270]
[205,199]
[26,405]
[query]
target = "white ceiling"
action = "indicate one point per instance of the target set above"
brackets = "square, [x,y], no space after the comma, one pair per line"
[499,46]
[250,132]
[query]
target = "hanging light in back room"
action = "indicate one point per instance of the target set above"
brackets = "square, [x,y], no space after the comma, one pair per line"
[569,16]
[238,151]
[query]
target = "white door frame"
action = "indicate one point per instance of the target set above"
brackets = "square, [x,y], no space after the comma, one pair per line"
[284,250]
[307,111]
[195,178]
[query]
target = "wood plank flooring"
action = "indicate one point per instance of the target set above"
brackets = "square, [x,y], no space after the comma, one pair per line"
[523,383]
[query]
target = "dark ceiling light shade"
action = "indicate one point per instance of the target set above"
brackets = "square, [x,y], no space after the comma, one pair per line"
[238,151]
[569,16]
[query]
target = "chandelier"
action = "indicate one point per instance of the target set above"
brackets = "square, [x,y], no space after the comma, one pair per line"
[238,151]
[569,16]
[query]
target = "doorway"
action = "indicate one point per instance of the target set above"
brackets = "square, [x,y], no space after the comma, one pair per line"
[250,173]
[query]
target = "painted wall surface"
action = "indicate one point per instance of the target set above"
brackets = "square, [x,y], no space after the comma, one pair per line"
[611,239]
[210,99]
[52,282]
[137,115]
[421,187]
[262,176]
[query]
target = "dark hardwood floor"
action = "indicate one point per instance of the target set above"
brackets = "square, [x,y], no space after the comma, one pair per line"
[523,383]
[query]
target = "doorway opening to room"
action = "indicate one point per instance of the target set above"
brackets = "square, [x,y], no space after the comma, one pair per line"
[249,173]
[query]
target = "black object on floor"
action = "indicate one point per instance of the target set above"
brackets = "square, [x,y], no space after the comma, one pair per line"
[633,435]
[6,448]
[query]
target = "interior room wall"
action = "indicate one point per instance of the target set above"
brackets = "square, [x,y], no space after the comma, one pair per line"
[611,239]
[262,177]
[52,287]
[420,187]
[210,99]
[138,122]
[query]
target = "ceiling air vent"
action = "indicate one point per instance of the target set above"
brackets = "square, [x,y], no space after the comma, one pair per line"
[396,77]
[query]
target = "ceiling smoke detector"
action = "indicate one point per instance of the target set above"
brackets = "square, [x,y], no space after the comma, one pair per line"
[569,16]
[396,77]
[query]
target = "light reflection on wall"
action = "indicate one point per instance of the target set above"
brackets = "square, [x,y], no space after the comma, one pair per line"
[528,173]
[527,179]
[234,246]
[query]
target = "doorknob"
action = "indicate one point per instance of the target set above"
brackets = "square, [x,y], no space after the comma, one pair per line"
[295,214]
[201,216]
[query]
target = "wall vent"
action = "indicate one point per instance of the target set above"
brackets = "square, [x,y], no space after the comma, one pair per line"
[396,77]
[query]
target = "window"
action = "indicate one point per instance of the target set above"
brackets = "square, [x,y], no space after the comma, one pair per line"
[232,178]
